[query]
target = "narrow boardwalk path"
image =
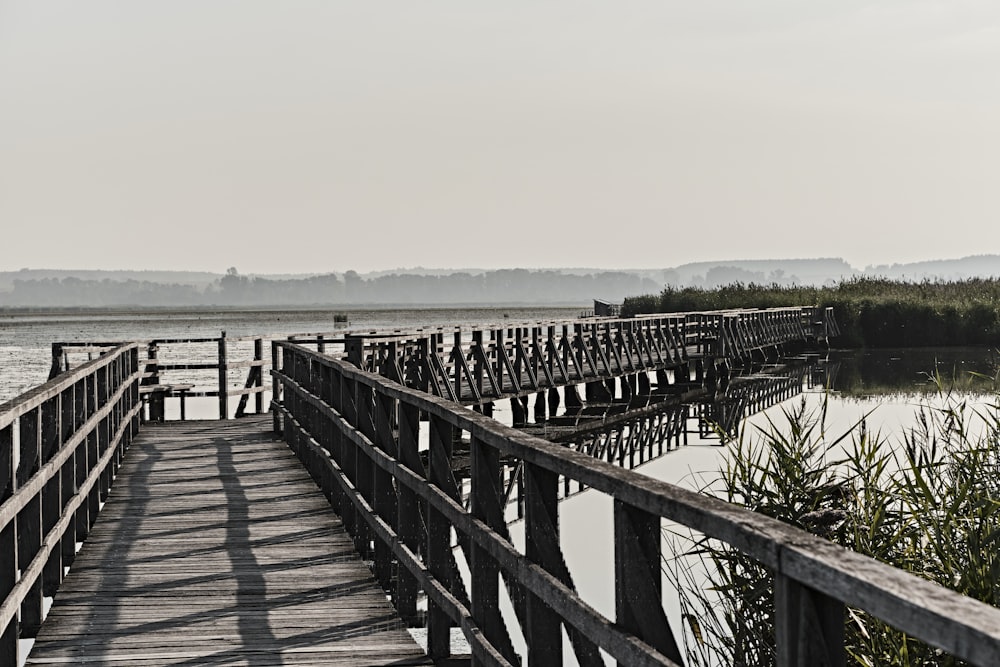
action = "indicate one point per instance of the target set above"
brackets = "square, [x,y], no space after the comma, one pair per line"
[216,548]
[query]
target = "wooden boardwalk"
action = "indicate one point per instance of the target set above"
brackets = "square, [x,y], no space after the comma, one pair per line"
[216,548]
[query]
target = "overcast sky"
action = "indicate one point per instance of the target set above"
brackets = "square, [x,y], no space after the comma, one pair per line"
[295,136]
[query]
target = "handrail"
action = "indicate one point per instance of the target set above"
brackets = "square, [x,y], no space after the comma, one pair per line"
[358,435]
[60,446]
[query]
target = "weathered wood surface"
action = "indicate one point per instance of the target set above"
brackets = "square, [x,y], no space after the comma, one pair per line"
[216,548]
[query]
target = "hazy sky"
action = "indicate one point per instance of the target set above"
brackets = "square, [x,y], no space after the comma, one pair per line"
[292,136]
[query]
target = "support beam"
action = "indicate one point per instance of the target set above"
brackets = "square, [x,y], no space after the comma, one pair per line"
[540,405]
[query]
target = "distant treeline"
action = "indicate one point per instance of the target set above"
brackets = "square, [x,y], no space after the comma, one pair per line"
[233,289]
[871,312]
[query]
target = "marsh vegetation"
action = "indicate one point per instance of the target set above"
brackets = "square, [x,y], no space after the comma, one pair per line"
[871,312]
[926,500]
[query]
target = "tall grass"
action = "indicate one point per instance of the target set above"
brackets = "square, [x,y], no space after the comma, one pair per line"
[927,502]
[873,312]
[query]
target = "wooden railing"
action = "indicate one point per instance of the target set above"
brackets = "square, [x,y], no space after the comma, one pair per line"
[478,366]
[359,435]
[60,446]
[185,368]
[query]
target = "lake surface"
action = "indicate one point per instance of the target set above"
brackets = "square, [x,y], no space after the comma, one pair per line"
[887,387]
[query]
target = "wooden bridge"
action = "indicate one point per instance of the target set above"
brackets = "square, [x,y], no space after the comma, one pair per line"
[213,548]
[480,366]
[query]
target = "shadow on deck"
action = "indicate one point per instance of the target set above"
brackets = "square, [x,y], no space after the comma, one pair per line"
[216,548]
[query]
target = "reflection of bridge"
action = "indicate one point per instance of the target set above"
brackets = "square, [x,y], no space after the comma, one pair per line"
[634,431]
[630,432]
[213,547]
[754,392]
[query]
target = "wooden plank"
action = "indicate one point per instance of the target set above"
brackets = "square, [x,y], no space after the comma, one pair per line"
[216,547]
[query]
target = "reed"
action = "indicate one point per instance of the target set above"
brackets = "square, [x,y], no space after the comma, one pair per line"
[872,312]
[927,502]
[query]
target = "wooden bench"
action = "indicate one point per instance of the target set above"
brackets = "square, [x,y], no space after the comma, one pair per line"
[153,395]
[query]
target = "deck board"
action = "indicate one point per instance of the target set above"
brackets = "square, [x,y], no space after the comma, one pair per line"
[216,548]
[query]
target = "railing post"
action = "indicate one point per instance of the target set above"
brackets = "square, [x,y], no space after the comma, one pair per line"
[424,364]
[258,356]
[439,538]
[485,572]
[638,582]
[276,387]
[8,547]
[52,490]
[354,349]
[409,524]
[92,456]
[29,520]
[808,626]
[104,430]
[223,379]
[456,354]
[384,500]
[541,531]
[69,471]
[477,363]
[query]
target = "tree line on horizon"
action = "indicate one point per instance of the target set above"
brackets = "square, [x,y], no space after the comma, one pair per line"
[234,289]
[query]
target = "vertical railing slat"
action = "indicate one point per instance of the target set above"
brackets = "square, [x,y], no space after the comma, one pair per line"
[485,572]
[8,548]
[439,539]
[409,523]
[223,378]
[808,626]
[29,520]
[638,580]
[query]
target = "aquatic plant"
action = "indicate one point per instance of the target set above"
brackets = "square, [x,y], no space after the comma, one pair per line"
[927,502]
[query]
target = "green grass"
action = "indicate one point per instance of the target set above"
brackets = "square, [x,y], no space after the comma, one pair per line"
[872,312]
[927,502]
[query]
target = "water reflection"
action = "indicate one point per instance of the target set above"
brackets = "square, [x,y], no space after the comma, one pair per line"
[910,372]
[646,424]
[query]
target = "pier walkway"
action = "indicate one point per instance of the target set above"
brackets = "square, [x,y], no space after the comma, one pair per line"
[215,547]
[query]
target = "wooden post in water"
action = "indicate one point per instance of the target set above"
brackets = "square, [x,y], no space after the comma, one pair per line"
[57,360]
[223,379]
[540,405]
